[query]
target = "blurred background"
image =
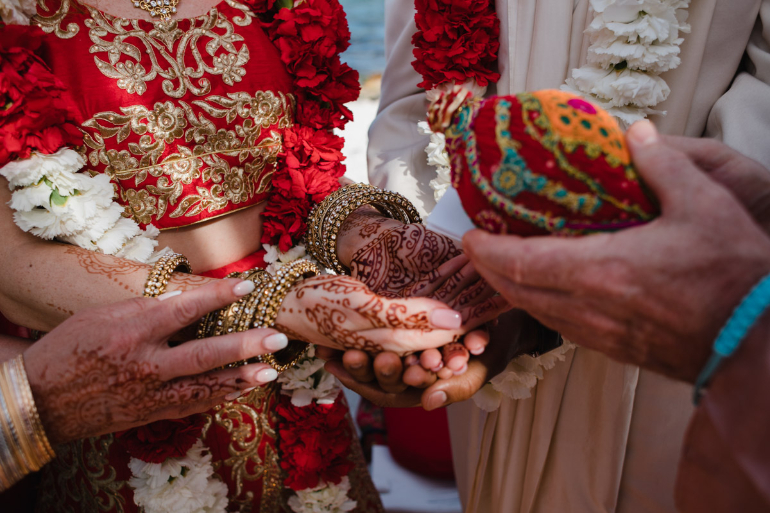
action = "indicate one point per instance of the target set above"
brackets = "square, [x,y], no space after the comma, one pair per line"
[367,55]
[409,451]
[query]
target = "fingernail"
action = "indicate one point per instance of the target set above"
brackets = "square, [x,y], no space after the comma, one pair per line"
[477,351]
[276,342]
[411,360]
[643,133]
[249,390]
[233,396]
[446,319]
[243,288]
[168,295]
[267,375]
[438,367]
[461,371]
[436,400]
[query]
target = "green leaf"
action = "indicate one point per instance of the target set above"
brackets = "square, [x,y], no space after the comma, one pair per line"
[57,199]
[285,4]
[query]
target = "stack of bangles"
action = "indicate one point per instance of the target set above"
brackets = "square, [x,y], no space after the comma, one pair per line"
[256,310]
[260,308]
[24,446]
[327,218]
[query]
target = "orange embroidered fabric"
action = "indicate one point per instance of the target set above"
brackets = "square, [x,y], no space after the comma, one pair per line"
[186,118]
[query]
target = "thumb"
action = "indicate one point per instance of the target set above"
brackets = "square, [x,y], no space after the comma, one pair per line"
[456,389]
[669,173]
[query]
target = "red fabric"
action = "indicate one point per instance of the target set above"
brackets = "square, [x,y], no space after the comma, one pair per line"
[244,264]
[419,440]
[616,180]
[100,98]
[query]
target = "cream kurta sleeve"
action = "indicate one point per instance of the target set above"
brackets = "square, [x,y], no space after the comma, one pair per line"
[396,153]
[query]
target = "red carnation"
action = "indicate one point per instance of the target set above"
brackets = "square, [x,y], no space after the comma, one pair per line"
[284,221]
[456,41]
[163,439]
[260,6]
[35,114]
[315,443]
[316,27]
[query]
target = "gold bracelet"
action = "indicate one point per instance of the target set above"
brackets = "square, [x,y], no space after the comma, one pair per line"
[326,219]
[24,446]
[161,272]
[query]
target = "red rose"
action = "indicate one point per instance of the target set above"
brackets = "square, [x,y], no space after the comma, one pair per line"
[35,115]
[314,444]
[163,439]
[260,6]
[456,41]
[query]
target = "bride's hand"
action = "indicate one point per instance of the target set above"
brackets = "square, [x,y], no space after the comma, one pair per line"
[111,369]
[342,313]
[406,260]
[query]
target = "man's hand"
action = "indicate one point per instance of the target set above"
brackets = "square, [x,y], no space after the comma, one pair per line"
[111,368]
[655,295]
[747,179]
[513,335]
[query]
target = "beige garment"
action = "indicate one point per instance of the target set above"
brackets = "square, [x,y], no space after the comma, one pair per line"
[595,435]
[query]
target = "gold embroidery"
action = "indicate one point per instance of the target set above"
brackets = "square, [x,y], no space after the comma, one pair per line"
[97,489]
[244,460]
[208,159]
[128,47]
[52,23]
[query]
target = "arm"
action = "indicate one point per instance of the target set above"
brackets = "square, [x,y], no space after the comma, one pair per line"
[43,283]
[725,463]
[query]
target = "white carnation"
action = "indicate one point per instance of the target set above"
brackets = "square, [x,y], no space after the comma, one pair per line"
[116,237]
[140,249]
[97,227]
[17,12]
[308,381]
[643,37]
[650,58]
[324,498]
[620,88]
[33,196]
[60,168]
[179,485]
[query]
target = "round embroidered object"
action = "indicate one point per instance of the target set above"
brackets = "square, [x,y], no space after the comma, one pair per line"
[540,163]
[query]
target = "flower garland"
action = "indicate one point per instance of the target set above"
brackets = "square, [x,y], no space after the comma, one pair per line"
[171,469]
[632,43]
[51,199]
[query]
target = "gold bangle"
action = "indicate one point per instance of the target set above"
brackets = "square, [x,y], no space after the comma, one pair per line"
[161,272]
[270,305]
[326,219]
[24,446]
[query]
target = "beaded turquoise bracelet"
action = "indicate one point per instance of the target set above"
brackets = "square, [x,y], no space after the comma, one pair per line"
[743,318]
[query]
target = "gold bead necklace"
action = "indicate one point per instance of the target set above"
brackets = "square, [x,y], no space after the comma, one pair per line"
[158,8]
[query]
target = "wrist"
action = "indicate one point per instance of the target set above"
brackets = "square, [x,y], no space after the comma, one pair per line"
[742,323]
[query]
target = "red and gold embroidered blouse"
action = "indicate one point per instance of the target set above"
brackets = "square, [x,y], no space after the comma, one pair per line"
[185,117]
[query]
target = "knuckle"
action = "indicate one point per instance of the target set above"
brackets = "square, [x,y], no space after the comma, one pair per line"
[186,312]
[204,356]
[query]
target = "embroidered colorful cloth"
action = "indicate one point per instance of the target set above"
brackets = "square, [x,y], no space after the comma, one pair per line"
[540,163]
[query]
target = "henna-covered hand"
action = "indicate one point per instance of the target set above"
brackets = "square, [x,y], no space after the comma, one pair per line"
[342,313]
[515,334]
[111,368]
